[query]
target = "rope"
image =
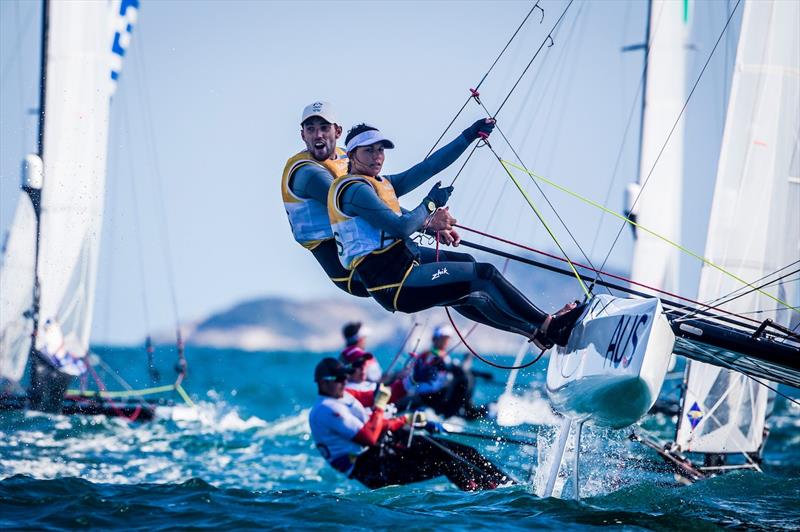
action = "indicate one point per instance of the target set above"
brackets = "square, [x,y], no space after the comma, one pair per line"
[478,86]
[485,360]
[525,70]
[543,222]
[646,230]
[566,272]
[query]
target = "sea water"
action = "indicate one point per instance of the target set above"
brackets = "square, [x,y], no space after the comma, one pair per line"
[243,458]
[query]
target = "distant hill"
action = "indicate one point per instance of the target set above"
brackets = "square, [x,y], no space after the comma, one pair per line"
[274,323]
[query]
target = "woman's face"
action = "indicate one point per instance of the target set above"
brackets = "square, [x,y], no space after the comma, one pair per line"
[368,160]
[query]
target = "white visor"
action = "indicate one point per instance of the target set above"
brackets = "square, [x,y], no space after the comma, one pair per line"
[368,138]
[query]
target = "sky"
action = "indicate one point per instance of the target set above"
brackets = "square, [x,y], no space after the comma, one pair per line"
[208,106]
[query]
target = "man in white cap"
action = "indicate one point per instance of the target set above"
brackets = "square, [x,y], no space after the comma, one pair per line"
[441,383]
[304,187]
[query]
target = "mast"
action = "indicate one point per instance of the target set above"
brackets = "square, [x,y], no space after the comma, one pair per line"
[655,200]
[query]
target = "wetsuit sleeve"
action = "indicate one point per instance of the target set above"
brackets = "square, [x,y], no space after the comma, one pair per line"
[360,199]
[407,181]
[311,181]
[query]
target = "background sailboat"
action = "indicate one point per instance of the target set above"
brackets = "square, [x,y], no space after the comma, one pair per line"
[754,229]
[50,260]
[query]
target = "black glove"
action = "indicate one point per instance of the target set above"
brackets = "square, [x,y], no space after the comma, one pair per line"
[471,133]
[438,195]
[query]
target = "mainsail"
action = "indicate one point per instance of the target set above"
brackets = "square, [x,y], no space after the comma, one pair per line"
[84,41]
[658,204]
[754,228]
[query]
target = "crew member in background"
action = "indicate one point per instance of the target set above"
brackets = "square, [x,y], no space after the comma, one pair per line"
[440,382]
[304,187]
[355,339]
[366,446]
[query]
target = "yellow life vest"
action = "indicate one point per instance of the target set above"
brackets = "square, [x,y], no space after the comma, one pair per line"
[355,237]
[307,217]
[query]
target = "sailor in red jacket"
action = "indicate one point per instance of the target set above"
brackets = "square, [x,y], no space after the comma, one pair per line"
[365,445]
[355,338]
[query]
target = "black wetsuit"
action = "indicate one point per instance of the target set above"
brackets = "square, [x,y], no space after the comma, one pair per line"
[328,257]
[476,290]
[393,463]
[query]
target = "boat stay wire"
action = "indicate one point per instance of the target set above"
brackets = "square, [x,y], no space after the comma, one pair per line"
[478,86]
[702,308]
[627,220]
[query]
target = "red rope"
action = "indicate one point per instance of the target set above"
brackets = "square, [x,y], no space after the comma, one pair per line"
[613,276]
[463,339]
[102,387]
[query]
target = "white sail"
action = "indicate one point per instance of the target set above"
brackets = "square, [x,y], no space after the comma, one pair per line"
[85,42]
[754,228]
[17,279]
[78,92]
[655,262]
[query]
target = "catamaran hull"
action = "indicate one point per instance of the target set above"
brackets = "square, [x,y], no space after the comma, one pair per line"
[614,364]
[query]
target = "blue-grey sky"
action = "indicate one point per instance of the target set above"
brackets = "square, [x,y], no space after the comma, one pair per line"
[209,101]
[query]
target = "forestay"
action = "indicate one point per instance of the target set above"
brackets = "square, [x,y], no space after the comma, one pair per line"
[754,229]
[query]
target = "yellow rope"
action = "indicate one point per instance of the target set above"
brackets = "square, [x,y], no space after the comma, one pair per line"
[541,219]
[646,230]
[135,393]
[184,395]
[122,393]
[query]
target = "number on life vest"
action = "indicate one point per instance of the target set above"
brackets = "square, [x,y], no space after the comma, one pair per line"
[339,245]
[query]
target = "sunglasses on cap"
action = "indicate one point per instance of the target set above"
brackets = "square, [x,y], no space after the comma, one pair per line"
[337,378]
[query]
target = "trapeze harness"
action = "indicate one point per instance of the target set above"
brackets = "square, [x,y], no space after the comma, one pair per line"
[310,224]
[400,279]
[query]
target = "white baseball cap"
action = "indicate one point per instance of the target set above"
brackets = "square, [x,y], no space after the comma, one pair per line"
[443,330]
[324,110]
[368,138]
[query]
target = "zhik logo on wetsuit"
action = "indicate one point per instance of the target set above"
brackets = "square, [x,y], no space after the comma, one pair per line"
[439,273]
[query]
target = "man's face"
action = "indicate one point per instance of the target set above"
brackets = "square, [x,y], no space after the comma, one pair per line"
[359,370]
[440,342]
[320,137]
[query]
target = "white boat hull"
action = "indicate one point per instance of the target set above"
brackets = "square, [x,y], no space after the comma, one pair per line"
[613,366]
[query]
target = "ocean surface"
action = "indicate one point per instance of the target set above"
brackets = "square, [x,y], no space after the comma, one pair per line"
[243,459]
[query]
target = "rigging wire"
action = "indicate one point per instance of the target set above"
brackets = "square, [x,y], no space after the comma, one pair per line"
[136,226]
[608,274]
[181,365]
[631,112]
[627,220]
[672,130]
[478,86]
[762,383]
[725,299]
